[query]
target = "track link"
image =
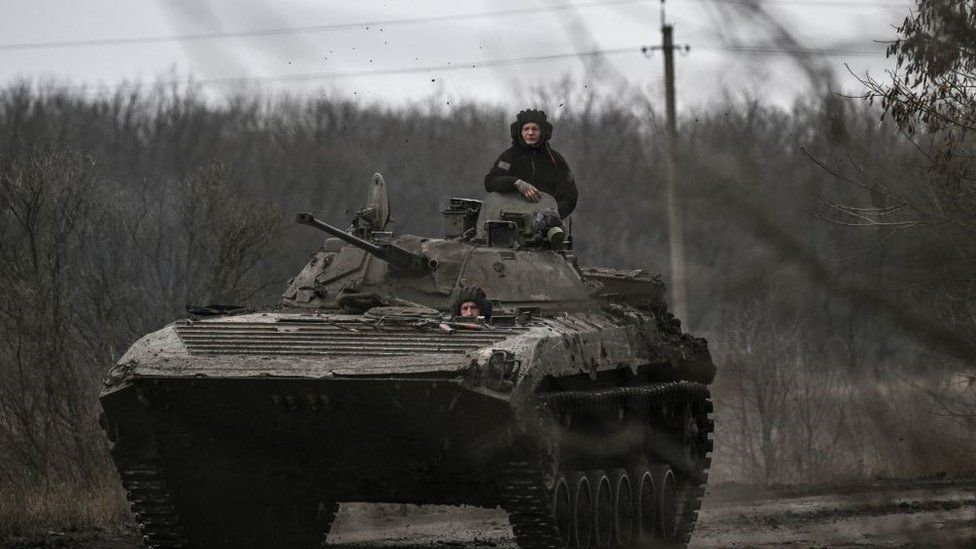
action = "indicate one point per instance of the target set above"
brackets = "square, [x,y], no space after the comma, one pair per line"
[529,508]
[153,506]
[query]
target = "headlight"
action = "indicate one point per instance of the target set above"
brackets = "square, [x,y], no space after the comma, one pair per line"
[501,370]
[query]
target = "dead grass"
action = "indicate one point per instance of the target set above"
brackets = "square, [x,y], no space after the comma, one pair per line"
[32,508]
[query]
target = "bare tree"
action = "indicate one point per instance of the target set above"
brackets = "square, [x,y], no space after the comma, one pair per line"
[759,374]
[200,241]
[47,203]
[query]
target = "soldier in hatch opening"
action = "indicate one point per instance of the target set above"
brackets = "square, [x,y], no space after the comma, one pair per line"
[470,302]
[530,165]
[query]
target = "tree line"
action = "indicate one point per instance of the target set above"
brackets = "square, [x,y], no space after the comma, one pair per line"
[836,311]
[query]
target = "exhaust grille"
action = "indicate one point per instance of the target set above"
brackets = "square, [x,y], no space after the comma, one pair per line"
[338,338]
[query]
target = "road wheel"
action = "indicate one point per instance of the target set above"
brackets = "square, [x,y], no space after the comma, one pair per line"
[645,505]
[579,487]
[623,506]
[562,509]
[667,499]
[602,509]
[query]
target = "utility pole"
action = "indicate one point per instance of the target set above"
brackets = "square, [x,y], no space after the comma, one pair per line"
[679,302]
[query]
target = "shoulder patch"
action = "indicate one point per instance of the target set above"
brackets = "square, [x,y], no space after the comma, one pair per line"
[504,165]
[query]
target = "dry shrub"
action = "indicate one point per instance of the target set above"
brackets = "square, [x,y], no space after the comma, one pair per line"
[792,413]
[32,506]
[86,269]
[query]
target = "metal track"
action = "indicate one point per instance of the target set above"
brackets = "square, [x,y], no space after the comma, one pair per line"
[529,507]
[152,498]
[528,501]
[153,506]
[159,521]
[691,491]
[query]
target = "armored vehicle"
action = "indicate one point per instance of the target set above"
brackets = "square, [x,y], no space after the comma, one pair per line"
[579,407]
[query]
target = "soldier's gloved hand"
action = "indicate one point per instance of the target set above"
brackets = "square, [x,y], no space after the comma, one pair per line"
[528,190]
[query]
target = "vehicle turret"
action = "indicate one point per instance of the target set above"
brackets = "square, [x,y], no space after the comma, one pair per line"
[514,249]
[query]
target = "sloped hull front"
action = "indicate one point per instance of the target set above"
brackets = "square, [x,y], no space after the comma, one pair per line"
[247,431]
[417,441]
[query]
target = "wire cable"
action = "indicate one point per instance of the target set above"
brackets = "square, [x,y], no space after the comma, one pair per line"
[760,50]
[391,22]
[821,3]
[354,74]
[780,50]
[301,30]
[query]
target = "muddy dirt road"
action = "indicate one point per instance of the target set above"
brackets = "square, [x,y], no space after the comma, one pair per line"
[894,514]
[891,514]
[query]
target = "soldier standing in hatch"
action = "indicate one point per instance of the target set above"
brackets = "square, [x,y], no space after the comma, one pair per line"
[530,165]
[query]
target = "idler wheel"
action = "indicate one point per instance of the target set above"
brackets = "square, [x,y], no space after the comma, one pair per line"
[562,509]
[623,506]
[582,501]
[602,509]
[645,505]
[667,499]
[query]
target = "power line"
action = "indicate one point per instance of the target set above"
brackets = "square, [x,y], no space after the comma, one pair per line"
[300,30]
[762,50]
[820,3]
[407,21]
[364,73]
[780,50]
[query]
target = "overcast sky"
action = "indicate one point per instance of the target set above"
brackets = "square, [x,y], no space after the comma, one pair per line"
[410,51]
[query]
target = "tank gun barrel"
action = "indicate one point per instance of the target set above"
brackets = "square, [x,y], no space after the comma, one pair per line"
[396,256]
[311,221]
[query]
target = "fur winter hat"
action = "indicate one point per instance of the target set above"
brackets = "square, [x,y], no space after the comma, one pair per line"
[474,294]
[531,115]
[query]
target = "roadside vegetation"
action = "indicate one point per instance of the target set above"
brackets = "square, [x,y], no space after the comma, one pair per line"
[830,258]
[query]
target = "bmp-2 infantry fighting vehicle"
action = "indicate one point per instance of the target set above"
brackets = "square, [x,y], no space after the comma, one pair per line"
[580,408]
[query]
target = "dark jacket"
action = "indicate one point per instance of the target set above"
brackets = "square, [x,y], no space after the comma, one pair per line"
[541,166]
